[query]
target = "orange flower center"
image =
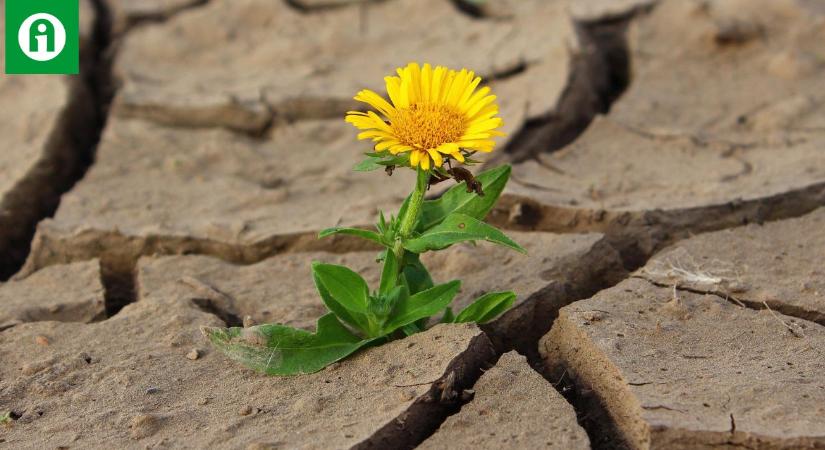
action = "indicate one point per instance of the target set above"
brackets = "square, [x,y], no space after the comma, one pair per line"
[428,125]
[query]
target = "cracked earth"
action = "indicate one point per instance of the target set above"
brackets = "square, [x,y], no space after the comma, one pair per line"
[668,183]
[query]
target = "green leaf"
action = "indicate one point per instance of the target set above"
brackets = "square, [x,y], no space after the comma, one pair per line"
[459,228]
[381,308]
[486,308]
[281,350]
[376,161]
[415,274]
[422,305]
[358,232]
[448,317]
[368,165]
[411,329]
[345,285]
[399,161]
[457,200]
[396,223]
[389,275]
[344,292]
[382,223]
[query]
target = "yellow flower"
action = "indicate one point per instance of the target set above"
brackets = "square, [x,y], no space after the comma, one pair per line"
[435,114]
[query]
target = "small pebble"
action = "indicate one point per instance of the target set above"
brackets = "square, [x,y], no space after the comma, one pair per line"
[193,354]
[41,340]
[467,395]
[245,411]
[152,390]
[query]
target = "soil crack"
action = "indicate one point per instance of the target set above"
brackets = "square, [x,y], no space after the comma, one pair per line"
[590,412]
[212,300]
[134,20]
[600,74]
[69,150]
[119,254]
[310,7]
[425,416]
[757,305]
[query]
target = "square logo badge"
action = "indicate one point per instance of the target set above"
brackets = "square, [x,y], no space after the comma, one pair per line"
[42,37]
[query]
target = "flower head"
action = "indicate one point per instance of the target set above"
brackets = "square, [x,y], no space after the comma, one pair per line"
[433,113]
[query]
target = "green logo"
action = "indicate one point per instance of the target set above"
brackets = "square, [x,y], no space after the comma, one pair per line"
[42,36]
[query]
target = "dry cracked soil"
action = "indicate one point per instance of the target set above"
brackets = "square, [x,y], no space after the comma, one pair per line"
[668,183]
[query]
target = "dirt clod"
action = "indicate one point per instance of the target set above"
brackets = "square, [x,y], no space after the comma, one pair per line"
[66,293]
[512,407]
[143,426]
[746,362]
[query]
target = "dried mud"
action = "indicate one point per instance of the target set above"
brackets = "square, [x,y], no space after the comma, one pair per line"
[668,181]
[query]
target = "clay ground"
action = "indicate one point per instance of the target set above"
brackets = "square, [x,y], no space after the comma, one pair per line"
[668,183]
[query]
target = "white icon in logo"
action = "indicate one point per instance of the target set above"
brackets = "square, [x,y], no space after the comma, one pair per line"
[41,37]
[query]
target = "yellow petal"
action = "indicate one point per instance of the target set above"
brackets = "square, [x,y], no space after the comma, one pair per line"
[439,74]
[482,146]
[368,122]
[470,137]
[396,149]
[437,159]
[379,122]
[376,101]
[426,82]
[415,157]
[488,112]
[394,89]
[480,104]
[415,82]
[476,143]
[404,91]
[446,86]
[481,93]
[447,148]
[373,134]
[457,89]
[468,92]
[381,146]
[425,161]
[483,126]
[457,156]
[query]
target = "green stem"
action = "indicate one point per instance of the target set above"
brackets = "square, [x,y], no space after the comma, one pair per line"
[412,214]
